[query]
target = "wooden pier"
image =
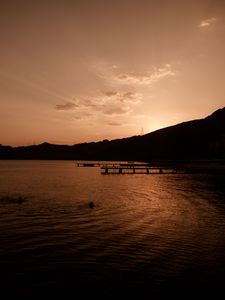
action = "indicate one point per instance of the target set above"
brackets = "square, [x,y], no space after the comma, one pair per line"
[109,169]
[156,167]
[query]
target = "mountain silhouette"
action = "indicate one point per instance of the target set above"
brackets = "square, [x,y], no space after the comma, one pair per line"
[201,139]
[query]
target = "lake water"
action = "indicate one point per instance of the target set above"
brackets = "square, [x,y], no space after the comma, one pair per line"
[145,234]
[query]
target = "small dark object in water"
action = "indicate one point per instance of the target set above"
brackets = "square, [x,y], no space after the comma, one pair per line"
[15,200]
[91,204]
[20,200]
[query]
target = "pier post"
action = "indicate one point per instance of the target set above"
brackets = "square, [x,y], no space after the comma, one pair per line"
[160,171]
[147,171]
[120,171]
[133,170]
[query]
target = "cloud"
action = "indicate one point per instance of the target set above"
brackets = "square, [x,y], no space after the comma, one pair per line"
[81,103]
[123,96]
[114,124]
[109,102]
[87,102]
[207,22]
[69,105]
[81,115]
[114,75]
[147,77]
[110,93]
[116,110]
[119,103]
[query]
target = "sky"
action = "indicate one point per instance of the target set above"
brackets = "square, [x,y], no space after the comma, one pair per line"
[75,71]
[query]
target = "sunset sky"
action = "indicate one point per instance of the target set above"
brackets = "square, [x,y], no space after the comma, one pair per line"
[87,70]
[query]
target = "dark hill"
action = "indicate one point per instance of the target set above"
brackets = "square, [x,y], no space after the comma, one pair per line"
[197,139]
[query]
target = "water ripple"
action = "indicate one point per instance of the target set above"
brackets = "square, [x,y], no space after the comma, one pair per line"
[158,229]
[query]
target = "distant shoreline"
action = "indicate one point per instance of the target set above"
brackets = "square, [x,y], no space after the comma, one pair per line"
[193,141]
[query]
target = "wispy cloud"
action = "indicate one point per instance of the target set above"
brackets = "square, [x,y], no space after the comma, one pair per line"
[117,76]
[145,78]
[120,124]
[116,110]
[207,22]
[69,105]
[81,115]
[114,123]
[109,102]
[122,96]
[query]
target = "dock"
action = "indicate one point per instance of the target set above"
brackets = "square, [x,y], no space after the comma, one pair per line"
[89,164]
[157,167]
[139,169]
[120,168]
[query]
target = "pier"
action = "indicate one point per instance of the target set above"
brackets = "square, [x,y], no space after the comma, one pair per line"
[139,169]
[119,168]
[88,164]
[156,167]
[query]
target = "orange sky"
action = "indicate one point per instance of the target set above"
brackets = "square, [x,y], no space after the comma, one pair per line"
[86,70]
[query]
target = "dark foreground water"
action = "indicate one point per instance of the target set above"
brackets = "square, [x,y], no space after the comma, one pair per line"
[146,234]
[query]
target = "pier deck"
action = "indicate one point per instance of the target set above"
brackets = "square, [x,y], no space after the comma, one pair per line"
[88,164]
[139,169]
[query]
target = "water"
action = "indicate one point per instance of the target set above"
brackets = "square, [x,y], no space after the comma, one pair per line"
[145,234]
